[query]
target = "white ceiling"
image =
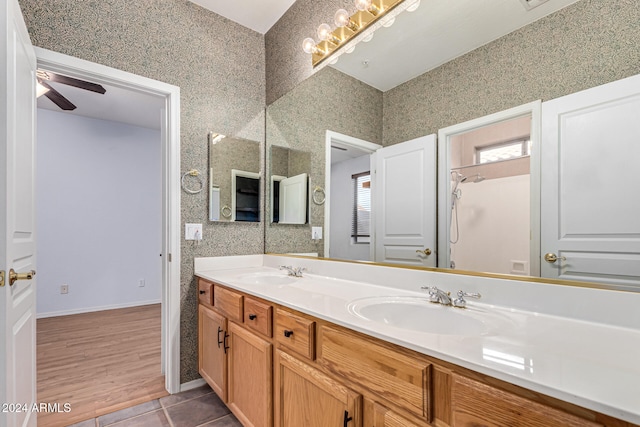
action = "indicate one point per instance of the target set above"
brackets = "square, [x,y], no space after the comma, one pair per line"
[439,31]
[117,104]
[259,15]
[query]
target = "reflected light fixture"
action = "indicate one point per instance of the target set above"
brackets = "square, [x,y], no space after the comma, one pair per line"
[350,29]
[40,90]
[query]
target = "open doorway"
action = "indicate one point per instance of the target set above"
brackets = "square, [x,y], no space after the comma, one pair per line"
[127,176]
[348,215]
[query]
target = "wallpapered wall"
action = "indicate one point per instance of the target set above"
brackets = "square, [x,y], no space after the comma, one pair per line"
[219,67]
[299,120]
[584,45]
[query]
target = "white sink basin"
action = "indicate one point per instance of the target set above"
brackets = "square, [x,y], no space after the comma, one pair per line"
[267,279]
[418,314]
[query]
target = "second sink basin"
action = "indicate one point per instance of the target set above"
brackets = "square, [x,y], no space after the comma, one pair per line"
[418,314]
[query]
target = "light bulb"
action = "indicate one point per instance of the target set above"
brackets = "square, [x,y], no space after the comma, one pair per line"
[40,90]
[309,45]
[334,60]
[324,32]
[350,48]
[341,18]
[414,6]
[363,5]
[368,37]
[389,22]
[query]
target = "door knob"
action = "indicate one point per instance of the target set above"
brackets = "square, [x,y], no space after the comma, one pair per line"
[13,276]
[426,252]
[551,258]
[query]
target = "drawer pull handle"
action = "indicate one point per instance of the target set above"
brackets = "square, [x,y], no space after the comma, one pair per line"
[226,347]
[288,333]
[203,292]
[253,317]
[347,418]
[219,340]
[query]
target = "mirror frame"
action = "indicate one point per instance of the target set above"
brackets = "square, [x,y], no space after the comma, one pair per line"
[444,166]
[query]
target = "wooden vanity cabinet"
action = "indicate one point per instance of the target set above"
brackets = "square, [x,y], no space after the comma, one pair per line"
[235,362]
[287,369]
[212,357]
[307,397]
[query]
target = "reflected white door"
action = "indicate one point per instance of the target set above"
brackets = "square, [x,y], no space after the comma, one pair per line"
[17,217]
[404,199]
[590,197]
[293,199]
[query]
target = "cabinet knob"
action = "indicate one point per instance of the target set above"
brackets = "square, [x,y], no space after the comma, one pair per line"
[288,333]
[203,292]
[253,317]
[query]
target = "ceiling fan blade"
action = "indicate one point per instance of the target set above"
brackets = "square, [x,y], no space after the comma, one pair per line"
[57,98]
[93,87]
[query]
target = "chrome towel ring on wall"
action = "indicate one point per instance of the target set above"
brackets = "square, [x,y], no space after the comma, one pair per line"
[195,173]
[318,196]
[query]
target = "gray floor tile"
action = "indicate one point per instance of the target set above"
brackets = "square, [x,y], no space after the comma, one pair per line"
[185,395]
[226,421]
[150,419]
[197,411]
[88,423]
[114,417]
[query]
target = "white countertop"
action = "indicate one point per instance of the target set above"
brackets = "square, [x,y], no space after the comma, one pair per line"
[592,364]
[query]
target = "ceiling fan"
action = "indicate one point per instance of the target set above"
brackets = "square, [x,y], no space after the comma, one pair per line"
[56,97]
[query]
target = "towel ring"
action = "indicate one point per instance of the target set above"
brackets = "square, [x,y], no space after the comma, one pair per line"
[226,211]
[318,196]
[195,173]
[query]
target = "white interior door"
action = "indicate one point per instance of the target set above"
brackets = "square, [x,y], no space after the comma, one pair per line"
[17,218]
[293,199]
[590,197]
[404,199]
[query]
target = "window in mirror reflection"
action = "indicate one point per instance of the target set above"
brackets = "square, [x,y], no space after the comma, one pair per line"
[361,224]
[490,198]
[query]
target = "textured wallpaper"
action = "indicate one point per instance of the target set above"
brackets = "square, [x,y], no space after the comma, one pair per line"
[219,67]
[584,45]
[299,120]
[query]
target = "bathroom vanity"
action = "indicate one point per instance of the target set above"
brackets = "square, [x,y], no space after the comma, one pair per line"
[352,344]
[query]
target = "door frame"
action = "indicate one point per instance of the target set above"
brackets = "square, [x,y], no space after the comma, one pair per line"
[170,147]
[360,144]
[444,193]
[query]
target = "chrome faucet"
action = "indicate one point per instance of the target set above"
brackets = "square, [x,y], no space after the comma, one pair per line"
[293,271]
[437,295]
[460,302]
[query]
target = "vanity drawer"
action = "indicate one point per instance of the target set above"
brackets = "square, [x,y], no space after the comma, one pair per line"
[400,379]
[205,292]
[228,302]
[258,316]
[296,333]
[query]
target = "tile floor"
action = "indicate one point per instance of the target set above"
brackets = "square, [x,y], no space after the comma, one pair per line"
[199,407]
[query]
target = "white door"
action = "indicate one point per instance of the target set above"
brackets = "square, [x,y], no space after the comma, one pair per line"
[293,199]
[404,199]
[17,220]
[590,187]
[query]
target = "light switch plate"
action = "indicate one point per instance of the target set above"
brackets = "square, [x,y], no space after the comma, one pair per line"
[316,233]
[193,231]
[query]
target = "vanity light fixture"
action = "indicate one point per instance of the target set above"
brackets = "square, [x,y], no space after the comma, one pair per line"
[351,29]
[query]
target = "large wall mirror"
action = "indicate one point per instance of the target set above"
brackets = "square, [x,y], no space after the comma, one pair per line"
[489,167]
[234,179]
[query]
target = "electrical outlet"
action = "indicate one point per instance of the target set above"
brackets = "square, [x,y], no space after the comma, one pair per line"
[141,283]
[64,289]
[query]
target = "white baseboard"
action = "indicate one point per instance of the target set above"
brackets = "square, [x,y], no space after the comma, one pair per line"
[92,309]
[192,384]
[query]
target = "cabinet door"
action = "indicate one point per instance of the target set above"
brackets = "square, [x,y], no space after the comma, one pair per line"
[250,375]
[307,397]
[212,357]
[475,404]
[383,417]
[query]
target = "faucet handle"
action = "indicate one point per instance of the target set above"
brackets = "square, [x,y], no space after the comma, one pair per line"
[460,302]
[434,293]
